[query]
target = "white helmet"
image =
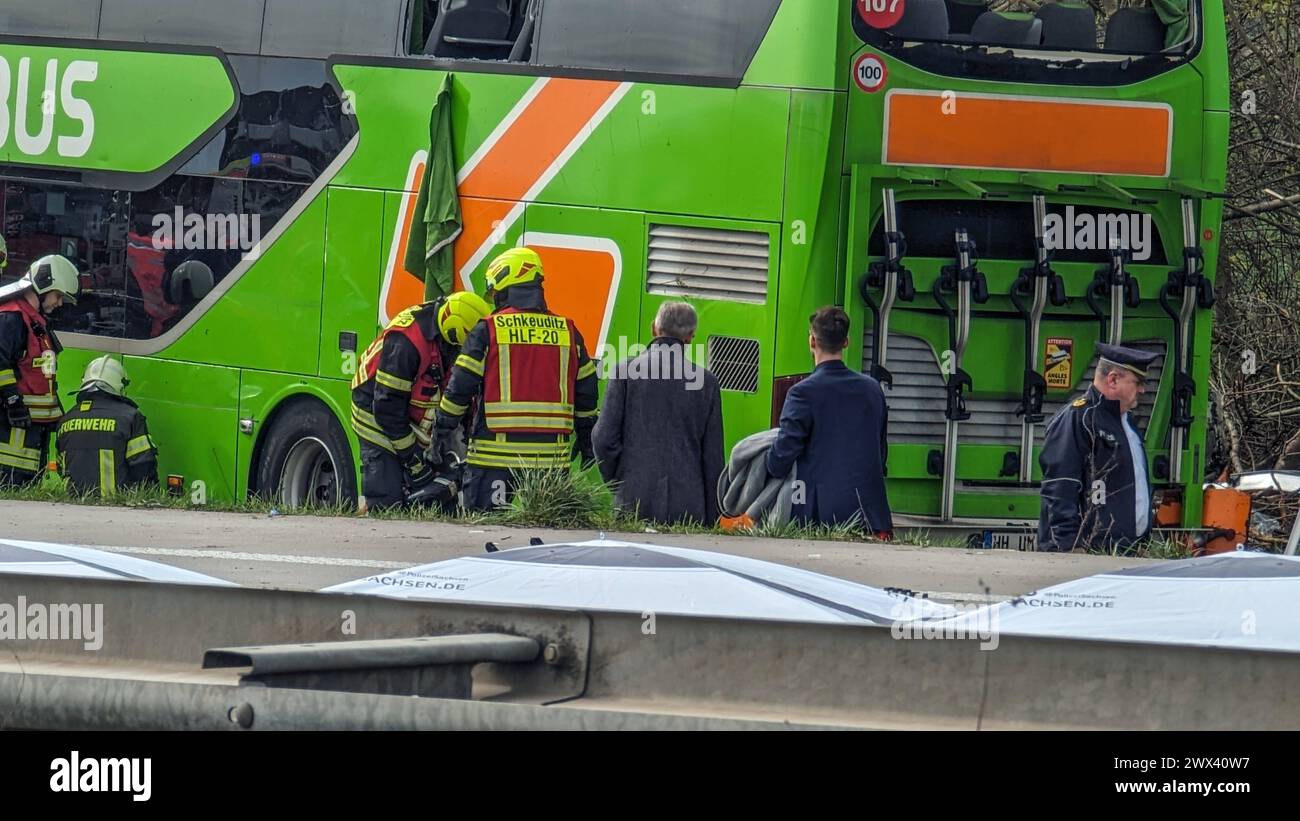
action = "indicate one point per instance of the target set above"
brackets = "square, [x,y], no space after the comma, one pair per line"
[106,374]
[49,273]
[55,273]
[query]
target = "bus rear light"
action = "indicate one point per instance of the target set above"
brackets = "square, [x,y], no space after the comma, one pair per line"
[780,387]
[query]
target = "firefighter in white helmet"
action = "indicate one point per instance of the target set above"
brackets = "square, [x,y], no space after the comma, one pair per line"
[103,442]
[29,402]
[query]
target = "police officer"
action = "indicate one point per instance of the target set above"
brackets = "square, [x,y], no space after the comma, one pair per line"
[104,441]
[1095,490]
[395,393]
[528,371]
[29,402]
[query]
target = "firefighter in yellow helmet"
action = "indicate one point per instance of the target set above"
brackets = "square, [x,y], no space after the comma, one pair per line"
[526,373]
[395,395]
[29,401]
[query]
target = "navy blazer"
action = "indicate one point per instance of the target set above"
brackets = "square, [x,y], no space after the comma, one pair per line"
[833,427]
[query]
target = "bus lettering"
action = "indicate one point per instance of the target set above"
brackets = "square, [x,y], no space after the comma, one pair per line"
[36,144]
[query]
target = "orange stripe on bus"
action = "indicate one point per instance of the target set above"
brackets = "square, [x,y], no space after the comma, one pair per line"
[405,291]
[542,131]
[1027,134]
[479,218]
[516,163]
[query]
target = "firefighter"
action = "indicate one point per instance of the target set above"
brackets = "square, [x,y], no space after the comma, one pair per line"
[104,442]
[395,394]
[29,402]
[528,371]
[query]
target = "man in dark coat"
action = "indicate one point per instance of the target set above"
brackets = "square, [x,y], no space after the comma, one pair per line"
[1096,492]
[659,438]
[833,428]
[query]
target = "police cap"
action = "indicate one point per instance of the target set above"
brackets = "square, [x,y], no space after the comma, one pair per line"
[1132,359]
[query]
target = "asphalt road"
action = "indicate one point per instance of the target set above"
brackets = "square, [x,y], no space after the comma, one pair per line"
[307,552]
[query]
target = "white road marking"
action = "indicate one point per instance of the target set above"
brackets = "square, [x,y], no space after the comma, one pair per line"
[280,558]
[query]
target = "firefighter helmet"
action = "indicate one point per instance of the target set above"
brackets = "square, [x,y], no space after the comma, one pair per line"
[458,313]
[189,282]
[106,374]
[518,266]
[55,273]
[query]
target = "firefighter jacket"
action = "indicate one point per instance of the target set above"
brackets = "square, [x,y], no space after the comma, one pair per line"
[528,371]
[1090,489]
[27,360]
[104,445]
[399,381]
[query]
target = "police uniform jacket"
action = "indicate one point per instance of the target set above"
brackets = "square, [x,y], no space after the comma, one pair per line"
[1085,443]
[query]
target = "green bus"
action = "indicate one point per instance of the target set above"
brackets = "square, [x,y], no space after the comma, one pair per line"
[237,182]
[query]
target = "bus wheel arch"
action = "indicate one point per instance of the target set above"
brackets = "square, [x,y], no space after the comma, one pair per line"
[303,457]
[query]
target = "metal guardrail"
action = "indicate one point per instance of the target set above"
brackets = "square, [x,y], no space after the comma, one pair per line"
[601,670]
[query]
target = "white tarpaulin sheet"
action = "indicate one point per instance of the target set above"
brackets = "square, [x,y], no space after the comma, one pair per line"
[1245,600]
[44,559]
[642,578]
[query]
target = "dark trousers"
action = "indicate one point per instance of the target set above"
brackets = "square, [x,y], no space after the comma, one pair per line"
[487,488]
[381,477]
[16,454]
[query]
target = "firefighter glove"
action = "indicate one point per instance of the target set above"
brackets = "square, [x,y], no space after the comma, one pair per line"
[418,472]
[16,412]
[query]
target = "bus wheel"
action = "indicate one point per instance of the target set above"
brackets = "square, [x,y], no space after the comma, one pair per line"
[306,459]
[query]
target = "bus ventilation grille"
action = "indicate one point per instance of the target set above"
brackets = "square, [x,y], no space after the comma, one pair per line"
[917,399]
[708,262]
[734,361]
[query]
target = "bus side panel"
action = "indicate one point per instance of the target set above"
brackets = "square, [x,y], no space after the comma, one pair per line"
[393,108]
[809,274]
[193,419]
[786,59]
[715,152]
[742,333]
[594,264]
[489,241]
[276,306]
[262,393]
[354,250]
[71,365]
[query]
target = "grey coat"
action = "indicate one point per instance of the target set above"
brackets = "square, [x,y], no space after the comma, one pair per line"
[659,437]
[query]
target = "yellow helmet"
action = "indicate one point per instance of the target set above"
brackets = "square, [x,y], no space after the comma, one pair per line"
[518,266]
[459,313]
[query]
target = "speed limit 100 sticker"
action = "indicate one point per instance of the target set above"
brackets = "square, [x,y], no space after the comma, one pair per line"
[869,73]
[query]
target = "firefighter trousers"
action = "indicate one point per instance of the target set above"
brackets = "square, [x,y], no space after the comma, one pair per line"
[22,454]
[487,488]
[381,477]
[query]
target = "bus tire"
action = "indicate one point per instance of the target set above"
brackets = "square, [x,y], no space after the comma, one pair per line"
[305,458]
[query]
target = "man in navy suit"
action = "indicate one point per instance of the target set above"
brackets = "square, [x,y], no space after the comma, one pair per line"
[833,428]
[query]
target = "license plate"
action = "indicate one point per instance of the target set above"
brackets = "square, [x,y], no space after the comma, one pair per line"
[1010,540]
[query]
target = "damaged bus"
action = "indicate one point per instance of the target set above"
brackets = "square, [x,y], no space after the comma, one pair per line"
[989,188]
